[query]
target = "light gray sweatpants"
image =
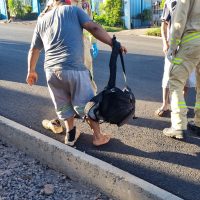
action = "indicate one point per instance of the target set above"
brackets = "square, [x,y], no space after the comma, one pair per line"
[70,90]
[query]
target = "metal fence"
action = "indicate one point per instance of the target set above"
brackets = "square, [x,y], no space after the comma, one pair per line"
[157,13]
[26,2]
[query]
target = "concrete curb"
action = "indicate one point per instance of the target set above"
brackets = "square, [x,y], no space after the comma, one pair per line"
[80,166]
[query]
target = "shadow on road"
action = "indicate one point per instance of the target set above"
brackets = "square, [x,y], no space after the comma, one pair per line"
[149,123]
[127,157]
[173,183]
[186,160]
[30,105]
[144,72]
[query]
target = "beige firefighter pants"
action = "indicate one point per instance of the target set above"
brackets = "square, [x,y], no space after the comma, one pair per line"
[88,61]
[186,60]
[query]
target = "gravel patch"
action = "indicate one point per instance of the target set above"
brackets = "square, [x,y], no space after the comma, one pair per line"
[24,178]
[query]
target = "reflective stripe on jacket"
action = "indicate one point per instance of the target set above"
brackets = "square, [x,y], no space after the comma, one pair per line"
[186,22]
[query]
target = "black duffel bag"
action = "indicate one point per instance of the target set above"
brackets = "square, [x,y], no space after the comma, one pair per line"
[112,105]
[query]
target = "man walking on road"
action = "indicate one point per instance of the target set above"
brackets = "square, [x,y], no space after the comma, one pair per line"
[184,52]
[59,32]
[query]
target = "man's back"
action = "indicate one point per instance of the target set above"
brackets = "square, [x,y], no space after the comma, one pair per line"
[60,33]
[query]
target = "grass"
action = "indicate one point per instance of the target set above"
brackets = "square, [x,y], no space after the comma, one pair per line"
[113,29]
[154,31]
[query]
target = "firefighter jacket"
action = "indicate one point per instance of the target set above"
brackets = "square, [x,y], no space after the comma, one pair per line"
[185,24]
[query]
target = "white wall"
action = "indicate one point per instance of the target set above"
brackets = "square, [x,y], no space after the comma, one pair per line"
[127,14]
[3,9]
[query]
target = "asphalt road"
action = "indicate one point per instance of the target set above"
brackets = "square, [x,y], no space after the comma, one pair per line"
[137,147]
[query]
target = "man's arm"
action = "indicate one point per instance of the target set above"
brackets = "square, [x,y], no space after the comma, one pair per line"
[98,32]
[165,25]
[164,34]
[33,57]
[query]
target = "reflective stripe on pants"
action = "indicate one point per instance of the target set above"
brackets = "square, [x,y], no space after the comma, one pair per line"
[186,60]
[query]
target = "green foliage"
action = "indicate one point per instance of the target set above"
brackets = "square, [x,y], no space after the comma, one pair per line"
[146,15]
[12,7]
[27,9]
[110,13]
[162,4]
[154,32]
[99,18]
[17,9]
[113,29]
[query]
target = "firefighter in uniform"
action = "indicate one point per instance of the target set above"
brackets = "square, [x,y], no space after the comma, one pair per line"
[184,52]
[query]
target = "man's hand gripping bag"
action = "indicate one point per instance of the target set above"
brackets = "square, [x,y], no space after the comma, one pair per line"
[112,105]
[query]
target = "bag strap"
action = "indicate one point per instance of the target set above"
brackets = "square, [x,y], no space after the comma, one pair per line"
[123,68]
[113,63]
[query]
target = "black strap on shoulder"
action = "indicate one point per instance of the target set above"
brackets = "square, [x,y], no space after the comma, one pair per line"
[113,63]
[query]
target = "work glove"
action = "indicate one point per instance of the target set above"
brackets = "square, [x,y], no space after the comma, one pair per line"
[94,50]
